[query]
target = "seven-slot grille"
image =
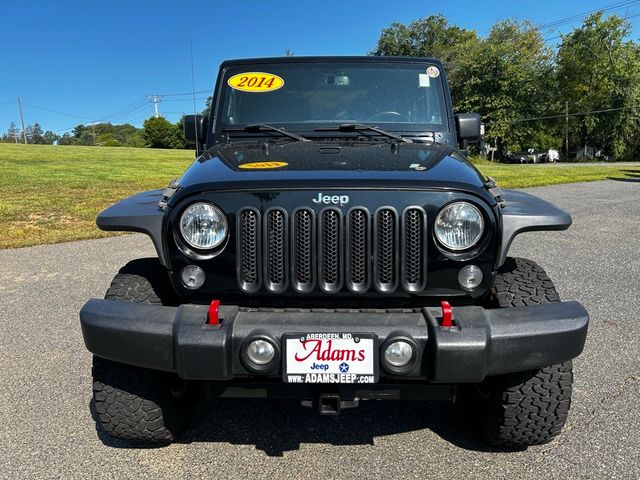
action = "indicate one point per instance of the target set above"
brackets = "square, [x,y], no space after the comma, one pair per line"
[331,250]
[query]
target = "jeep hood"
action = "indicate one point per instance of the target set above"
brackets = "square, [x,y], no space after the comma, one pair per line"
[322,164]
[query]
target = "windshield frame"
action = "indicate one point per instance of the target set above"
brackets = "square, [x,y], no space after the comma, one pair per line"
[216,129]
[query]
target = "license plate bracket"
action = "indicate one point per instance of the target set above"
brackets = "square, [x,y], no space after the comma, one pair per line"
[330,357]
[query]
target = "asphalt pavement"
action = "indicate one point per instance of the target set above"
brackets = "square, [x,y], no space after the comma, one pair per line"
[47,430]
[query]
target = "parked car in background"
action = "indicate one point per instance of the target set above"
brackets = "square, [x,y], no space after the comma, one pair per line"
[532,156]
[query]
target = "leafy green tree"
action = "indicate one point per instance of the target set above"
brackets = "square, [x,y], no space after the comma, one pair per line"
[107,139]
[160,133]
[136,139]
[508,78]
[598,68]
[431,36]
[37,135]
[67,139]
[77,131]
[207,107]
[49,137]
[12,135]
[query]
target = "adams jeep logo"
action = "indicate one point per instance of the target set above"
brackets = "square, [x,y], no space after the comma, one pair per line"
[341,200]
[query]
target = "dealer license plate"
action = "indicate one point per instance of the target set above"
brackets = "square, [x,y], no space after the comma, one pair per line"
[330,358]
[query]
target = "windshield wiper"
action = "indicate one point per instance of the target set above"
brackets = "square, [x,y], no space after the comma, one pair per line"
[359,127]
[264,127]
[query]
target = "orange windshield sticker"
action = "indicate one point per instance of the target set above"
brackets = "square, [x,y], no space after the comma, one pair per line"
[257,82]
[263,165]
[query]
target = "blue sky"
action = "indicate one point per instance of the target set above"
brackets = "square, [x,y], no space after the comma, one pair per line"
[99,59]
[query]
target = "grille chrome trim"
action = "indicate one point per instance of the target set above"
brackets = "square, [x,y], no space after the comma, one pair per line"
[413,250]
[385,250]
[299,242]
[358,250]
[249,249]
[276,250]
[331,250]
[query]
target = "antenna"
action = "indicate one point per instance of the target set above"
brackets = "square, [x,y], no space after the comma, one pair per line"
[193,89]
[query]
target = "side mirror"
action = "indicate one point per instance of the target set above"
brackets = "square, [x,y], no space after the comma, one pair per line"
[195,129]
[469,128]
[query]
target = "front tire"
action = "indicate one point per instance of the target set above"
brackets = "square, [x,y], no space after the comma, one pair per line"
[141,405]
[525,408]
[134,403]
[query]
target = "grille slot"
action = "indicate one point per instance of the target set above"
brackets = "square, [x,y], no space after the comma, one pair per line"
[275,250]
[414,265]
[386,250]
[330,250]
[358,250]
[248,250]
[303,237]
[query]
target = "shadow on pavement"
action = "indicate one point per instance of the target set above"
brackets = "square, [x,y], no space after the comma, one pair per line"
[631,176]
[278,426]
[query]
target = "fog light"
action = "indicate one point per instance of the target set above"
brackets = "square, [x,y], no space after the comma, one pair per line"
[398,354]
[260,352]
[470,277]
[192,277]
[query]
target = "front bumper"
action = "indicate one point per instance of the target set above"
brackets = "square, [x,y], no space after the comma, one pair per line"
[482,342]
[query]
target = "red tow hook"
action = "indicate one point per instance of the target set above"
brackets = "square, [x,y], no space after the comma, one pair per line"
[212,315]
[447,317]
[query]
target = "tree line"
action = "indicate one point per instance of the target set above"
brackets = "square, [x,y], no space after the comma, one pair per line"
[532,95]
[156,132]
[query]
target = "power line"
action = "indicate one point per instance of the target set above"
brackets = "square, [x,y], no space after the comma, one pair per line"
[574,114]
[189,93]
[184,99]
[55,111]
[573,18]
[140,101]
[557,37]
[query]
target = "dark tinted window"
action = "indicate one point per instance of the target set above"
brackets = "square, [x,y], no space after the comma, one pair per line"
[402,97]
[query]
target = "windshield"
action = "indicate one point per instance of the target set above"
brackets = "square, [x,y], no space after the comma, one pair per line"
[400,97]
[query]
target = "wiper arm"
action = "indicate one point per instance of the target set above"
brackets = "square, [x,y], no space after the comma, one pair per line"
[359,127]
[264,127]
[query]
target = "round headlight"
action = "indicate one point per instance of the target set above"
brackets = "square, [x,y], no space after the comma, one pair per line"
[459,226]
[203,226]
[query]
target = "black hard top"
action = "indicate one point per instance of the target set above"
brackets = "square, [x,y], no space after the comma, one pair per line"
[331,59]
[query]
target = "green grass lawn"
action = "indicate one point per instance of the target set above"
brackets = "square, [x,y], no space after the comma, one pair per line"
[522,176]
[52,194]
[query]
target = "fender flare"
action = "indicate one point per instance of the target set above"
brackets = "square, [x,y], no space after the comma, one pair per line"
[138,213]
[524,212]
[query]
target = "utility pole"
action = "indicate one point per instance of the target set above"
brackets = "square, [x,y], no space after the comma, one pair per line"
[93,129]
[24,133]
[566,129]
[155,99]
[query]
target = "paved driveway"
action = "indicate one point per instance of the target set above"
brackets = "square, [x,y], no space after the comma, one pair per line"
[46,429]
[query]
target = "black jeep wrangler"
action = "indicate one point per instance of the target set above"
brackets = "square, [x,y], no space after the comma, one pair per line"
[331,243]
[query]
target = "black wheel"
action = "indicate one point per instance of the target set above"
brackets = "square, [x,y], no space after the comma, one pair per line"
[525,408]
[134,403]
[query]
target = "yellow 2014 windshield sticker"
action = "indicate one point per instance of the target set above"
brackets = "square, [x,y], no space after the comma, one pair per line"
[263,165]
[257,82]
